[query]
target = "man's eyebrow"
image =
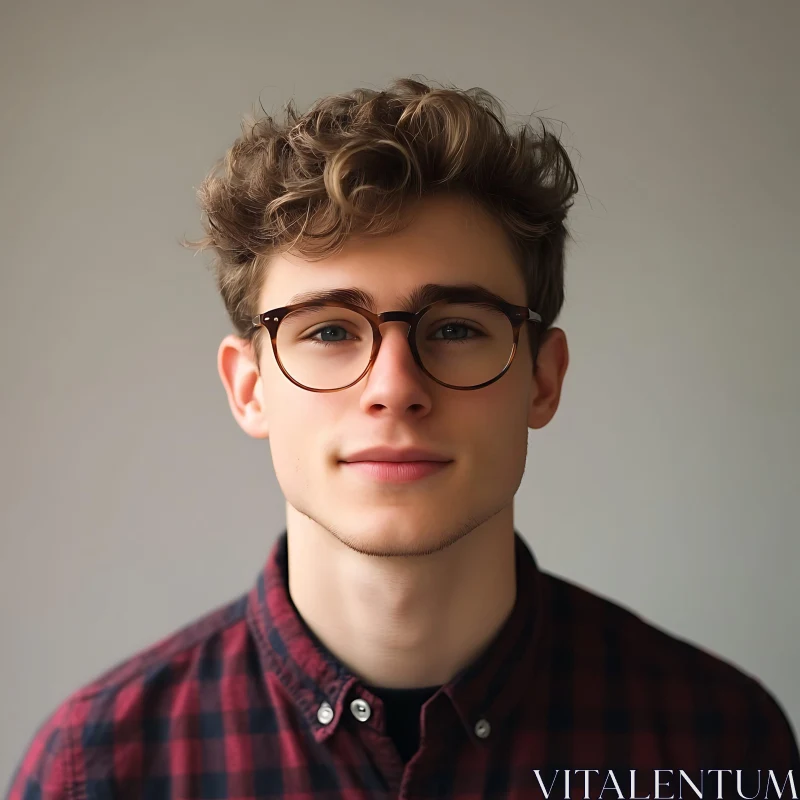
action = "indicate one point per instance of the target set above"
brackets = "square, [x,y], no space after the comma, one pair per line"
[416,299]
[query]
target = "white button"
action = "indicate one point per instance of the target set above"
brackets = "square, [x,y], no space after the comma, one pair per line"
[360,709]
[482,728]
[325,713]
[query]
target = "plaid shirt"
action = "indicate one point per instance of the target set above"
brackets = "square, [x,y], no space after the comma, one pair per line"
[246,703]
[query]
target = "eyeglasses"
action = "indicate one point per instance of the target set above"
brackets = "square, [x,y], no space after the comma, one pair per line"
[459,342]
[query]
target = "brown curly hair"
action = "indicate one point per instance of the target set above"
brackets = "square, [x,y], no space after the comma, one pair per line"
[350,164]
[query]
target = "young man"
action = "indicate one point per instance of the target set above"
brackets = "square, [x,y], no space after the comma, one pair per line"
[393,264]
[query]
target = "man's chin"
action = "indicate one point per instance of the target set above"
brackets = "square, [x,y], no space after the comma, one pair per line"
[387,538]
[392,548]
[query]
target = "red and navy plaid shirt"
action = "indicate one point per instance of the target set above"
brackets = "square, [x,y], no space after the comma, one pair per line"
[246,703]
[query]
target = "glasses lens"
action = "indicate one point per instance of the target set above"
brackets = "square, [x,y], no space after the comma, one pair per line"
[324,347]
[460,344]
[465,344]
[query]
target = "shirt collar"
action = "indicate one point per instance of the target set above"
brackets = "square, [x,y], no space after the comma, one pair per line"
[488,689]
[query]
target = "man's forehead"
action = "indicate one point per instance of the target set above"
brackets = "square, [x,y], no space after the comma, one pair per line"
[288,282]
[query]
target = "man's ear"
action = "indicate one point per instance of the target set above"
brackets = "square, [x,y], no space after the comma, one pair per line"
[552,363]
[240,376]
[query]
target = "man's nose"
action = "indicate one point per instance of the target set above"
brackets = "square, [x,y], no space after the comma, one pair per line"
[395,333]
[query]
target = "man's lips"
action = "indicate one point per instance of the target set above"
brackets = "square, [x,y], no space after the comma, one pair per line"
[385,453]
[396,471]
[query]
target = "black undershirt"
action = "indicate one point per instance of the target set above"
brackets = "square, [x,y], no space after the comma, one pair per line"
[402,709]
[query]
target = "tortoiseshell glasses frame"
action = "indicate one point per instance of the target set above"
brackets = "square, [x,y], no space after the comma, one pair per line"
[517,315]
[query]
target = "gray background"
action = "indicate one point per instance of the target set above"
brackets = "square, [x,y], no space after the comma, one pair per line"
[668,481]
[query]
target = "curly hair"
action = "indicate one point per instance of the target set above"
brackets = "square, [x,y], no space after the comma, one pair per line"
[350,164]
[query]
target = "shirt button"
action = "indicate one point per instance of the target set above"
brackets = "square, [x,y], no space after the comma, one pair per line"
[325,713]
[360,709]
[482,728]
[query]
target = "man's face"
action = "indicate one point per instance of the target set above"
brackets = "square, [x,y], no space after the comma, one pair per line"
[483,431]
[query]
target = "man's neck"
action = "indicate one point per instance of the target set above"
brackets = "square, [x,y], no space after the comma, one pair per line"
[403,622]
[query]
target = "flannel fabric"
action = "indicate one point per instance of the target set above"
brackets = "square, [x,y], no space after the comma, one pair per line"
[246,702]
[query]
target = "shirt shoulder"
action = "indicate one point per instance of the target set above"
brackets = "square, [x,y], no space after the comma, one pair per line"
[668,678]
[629,643]
[139,688]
